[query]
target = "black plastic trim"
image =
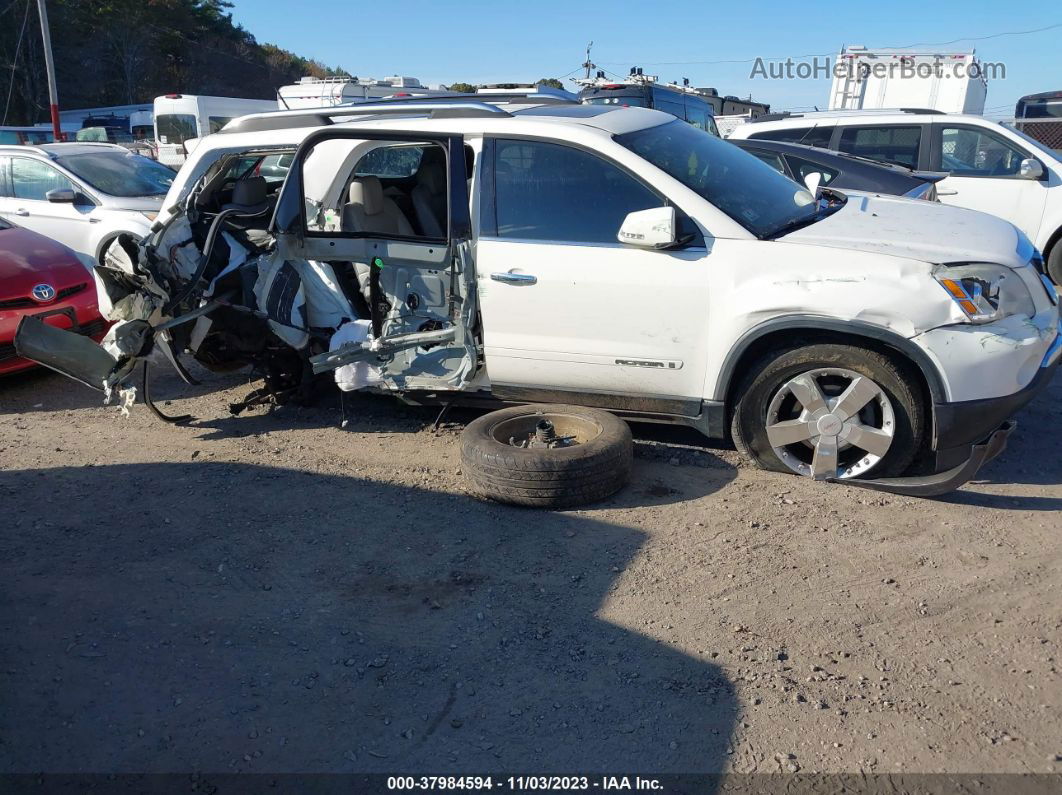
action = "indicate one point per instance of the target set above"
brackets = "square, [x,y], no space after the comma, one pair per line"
[967,421]
[854,328]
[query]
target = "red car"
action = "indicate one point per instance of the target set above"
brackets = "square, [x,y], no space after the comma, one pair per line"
[41,277]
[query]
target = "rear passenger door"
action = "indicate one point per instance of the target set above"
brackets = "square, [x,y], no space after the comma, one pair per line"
[567,308]
[336,217]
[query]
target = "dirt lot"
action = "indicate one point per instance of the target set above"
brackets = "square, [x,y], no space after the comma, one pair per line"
[272,592]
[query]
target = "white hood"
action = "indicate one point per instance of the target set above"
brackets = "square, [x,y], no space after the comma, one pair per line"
[919,230]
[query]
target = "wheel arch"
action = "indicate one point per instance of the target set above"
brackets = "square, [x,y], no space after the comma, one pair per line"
[783,331]
[101,247]
[109,238]
[1055,239]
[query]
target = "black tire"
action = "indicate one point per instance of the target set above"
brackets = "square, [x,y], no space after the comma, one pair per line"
[1054,264]
[542,477]
[769,374]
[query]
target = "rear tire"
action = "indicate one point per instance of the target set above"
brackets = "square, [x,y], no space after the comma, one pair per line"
[891,420]
[563,477]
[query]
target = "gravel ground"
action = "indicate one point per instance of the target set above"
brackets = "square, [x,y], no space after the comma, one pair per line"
[273,592]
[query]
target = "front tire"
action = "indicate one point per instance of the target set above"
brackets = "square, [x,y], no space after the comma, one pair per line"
[830,411]
[1054,264]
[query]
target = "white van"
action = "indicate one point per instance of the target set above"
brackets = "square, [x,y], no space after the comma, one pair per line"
[182,117]
[991,167]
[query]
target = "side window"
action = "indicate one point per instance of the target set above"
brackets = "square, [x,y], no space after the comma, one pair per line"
[697,113]
[773,159]
[5,184]
[32,179]
[801,169]
[390,162]
[217,122]
[970,152]
[9,137]
[809,136]
[669,102]
[541,192]
[892,144]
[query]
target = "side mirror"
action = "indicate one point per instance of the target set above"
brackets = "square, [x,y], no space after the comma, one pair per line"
[812,181]
[653,228]
[1031,168]
[61,196]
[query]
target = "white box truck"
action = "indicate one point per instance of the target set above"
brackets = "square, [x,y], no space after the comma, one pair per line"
[951,82]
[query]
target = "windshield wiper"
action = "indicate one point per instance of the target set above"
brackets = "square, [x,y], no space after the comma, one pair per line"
[835,202]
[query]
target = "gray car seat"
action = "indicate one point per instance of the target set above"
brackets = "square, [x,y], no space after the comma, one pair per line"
[368,210]
[429,194]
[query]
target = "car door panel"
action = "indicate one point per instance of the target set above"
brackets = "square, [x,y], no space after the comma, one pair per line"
[419,292]
[595,316]
[68,222]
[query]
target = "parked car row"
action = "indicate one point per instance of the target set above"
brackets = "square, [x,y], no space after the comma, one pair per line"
[449,249]
[989,166]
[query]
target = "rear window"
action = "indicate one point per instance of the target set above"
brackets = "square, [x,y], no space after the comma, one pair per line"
[175,128]
[1040,108]
[809,136]
[890,144]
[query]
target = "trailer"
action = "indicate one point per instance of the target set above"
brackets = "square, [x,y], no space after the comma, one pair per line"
[950,82]
[328,92]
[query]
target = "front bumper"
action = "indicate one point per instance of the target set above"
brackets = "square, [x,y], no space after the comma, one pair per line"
[968,435]
[80,317]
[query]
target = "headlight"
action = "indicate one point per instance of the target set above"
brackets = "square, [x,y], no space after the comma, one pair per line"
[985,293]
[149,216]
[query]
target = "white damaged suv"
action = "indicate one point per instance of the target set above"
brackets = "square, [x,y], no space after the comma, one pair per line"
[533,251]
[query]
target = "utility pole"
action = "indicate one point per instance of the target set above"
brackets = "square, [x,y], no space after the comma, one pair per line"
[587,65]
[49,63]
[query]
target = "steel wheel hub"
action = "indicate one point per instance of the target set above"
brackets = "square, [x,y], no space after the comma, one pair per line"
[830,423]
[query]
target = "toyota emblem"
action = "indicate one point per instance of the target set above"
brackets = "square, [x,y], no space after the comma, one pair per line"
[43,293]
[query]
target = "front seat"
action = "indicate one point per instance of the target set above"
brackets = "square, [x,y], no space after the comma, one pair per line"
[429,194]
[368,210]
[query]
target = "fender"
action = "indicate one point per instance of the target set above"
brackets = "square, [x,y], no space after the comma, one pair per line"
[852,328]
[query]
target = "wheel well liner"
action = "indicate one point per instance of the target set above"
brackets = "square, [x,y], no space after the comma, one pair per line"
[783,330]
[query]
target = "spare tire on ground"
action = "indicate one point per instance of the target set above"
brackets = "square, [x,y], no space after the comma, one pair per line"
[547,456]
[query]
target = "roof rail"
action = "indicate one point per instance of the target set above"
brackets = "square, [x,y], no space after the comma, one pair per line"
[813,114]
[434,107]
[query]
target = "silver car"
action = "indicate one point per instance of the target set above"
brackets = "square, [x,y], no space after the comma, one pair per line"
[82,194]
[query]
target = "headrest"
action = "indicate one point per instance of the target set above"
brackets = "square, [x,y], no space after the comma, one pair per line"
[434,179]
[249,193]
[368,192]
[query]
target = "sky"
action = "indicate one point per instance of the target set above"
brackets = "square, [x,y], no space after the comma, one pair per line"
[478,41]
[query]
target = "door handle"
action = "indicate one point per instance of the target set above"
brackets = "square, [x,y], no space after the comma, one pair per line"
[22,211]
[514,278]
[947,192]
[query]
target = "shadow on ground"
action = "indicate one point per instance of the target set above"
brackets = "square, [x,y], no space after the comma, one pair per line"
[242,618]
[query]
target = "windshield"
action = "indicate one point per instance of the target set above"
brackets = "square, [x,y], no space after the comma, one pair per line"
[175,128]
[1040,145]
[120,173]
[741,185]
